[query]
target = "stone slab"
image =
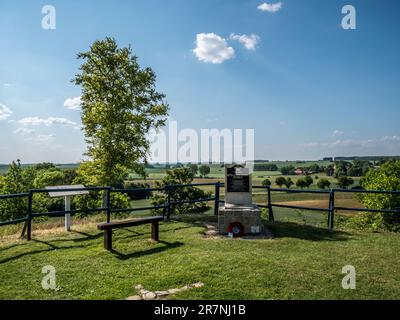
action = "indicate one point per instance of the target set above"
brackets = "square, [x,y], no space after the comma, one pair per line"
[248,216]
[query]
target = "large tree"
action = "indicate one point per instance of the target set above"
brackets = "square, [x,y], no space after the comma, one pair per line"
[120,105]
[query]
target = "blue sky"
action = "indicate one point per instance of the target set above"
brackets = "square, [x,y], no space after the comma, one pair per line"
[306,86]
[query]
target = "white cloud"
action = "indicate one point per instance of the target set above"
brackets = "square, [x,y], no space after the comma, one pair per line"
[24,131]
[250,42]
[391,138]
[50,121]
[73,103]
[31,136]
[41,138]
[337,133]
[212,48]
[6,85]
[273,7]
[5,112]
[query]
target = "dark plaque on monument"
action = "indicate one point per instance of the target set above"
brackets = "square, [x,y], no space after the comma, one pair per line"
[238,183]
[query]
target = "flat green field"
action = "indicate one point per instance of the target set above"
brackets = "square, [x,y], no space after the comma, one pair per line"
[301,262]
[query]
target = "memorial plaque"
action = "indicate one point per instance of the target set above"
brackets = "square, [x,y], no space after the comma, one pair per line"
[238,183]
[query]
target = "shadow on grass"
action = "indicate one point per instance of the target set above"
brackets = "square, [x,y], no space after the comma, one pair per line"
[88,237]
[166,246]
[50,245]
[305,232]
[13,245]
[195,219]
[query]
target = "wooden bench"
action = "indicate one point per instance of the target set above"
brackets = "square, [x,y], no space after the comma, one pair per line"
[108,227]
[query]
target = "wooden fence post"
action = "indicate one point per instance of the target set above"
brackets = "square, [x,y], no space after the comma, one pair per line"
[108,204]
[216,201]
[29,226]
[270,211]
[331,212]
[168,201]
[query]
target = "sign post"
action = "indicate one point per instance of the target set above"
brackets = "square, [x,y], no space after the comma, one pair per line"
[67,205]
[67,195]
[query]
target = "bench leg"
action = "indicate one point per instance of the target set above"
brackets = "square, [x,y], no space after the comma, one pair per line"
[154,231]
[108,239]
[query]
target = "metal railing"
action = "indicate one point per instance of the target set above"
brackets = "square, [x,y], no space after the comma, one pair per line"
[167,206]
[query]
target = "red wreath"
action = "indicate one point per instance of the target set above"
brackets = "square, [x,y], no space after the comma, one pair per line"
[236,228]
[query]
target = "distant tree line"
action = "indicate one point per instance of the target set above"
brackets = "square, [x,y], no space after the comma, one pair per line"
[265,167]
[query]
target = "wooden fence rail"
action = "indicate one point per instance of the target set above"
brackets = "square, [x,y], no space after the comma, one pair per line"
[167,206]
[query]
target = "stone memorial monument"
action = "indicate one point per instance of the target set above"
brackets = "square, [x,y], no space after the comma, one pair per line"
[239,212]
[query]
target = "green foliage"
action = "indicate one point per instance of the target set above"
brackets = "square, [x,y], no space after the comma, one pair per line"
[301,183]
[44,166]
[330,170]
[12,183]
[181,176]
[344,182]
[69,176]
[14,180]
[93,200]
[120,105]
[288,170]
[314,168]
[289,183]
[119,201]
[194,168]
[280,181]
[89,174]
[50,177]
[96,200]
[309,181]
[387,177]
[265,167]
[204,170]
[342,168]
[44,178]
[323,183]
[137,195]
[359,168]
[266,183]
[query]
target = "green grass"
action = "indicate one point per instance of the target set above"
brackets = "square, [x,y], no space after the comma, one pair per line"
[302,262]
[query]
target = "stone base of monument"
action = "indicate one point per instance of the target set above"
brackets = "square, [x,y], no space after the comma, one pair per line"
[248,216]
